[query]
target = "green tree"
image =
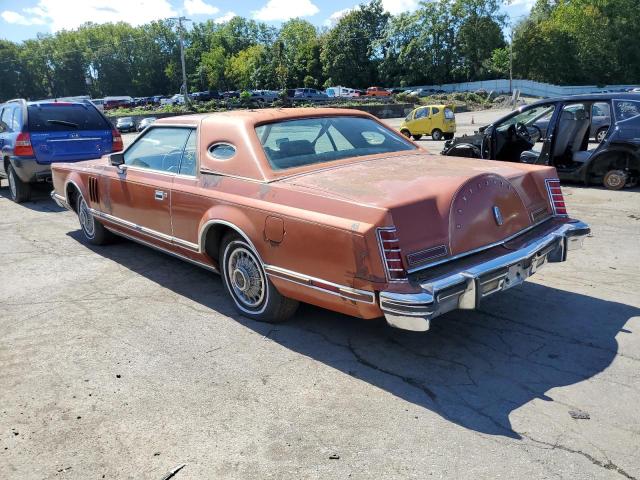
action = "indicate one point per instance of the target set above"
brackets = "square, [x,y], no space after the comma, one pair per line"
[351,51]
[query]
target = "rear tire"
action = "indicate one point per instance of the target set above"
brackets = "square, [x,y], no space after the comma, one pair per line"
[448,136]
[615,179]
[20,191]
[93,231]
[416,137]
[436,134]
[246,282]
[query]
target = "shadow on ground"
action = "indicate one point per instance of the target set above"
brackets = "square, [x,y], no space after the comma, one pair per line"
[40,197]
[473,368]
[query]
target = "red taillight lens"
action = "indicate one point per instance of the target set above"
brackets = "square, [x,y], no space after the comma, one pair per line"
[391,254]
[117,146]
[23,146]
[555,197]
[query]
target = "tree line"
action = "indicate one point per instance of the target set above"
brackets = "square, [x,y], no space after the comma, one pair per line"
[560,41]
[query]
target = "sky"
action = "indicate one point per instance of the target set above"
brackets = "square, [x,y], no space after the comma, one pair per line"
[24,19]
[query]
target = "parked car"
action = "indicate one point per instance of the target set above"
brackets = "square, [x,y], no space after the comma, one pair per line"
[439,121]
[326,206]
[341,92]
[614,163]
[177,99]
[145,122]
[422,92]
[309,94]
[36,135]
[205,96]
[600,121]
[111,103]
[264,96]
[377,92]
[231,94]
[125,124]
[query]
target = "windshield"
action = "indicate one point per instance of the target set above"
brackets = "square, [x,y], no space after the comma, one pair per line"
[295,143]
[528,117]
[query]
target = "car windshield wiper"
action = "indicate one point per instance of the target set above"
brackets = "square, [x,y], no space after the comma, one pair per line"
[63,122]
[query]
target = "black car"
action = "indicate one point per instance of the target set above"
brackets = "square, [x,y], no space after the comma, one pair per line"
[614,163]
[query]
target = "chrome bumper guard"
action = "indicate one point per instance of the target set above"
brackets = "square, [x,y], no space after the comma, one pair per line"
[463,283]
[60,200]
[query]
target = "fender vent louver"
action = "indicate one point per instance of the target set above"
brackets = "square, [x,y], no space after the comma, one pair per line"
[94,195]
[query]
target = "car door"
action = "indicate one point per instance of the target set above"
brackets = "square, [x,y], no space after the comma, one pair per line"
[422,121]
[138,194]
[6,132]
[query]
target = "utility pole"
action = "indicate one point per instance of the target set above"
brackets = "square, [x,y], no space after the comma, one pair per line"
[184,69]
[511,60]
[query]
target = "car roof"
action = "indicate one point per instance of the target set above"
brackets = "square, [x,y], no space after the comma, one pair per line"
[232,127]
[590,97]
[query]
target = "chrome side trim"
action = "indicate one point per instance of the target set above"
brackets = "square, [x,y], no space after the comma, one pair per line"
[353,294]
[163,250]
[146,231]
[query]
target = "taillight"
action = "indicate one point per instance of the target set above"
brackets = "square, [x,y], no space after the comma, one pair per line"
[117,145]
[23,146]
[555,197]
[391,254]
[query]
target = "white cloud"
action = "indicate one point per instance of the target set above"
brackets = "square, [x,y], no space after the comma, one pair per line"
[285,9]
[59,15]
[336,16]
[395,7]
[199,7]
[10,16]
[225,18]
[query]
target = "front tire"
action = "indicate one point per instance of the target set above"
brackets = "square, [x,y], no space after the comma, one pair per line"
[600,134]
[436,134]
[247,283]
[417,137]
[20,191]
[448,136]
[93,231]
[406,133]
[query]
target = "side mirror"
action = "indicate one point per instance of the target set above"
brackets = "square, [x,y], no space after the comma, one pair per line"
[117,160]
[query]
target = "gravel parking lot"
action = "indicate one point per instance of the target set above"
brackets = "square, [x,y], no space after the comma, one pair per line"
[121,362]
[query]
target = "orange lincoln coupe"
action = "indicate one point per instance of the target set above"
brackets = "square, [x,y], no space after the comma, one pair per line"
[324,206]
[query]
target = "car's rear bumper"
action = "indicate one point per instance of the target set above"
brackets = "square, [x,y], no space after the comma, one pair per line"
[463,283]
[29,170]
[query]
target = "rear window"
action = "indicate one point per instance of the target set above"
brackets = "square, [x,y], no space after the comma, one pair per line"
[295,143]
[59,117]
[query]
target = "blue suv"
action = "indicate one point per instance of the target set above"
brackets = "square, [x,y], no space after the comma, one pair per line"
[33,135]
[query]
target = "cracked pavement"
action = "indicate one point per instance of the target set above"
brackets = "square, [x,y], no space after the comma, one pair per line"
[121,362]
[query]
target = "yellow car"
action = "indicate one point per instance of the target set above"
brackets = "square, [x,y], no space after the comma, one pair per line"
[438,121]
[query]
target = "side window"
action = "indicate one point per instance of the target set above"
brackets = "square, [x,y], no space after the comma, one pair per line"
[422,113]
[16,119]
[435,110]
[626,109]
[7,117]
[160,148]
[189,157]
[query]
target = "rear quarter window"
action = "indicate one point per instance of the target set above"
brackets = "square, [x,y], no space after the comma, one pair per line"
[58,117]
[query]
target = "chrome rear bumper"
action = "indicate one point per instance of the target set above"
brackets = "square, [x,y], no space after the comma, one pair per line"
[463,283]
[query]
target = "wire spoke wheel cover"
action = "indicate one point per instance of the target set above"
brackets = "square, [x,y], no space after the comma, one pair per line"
[245,277]
[86,219]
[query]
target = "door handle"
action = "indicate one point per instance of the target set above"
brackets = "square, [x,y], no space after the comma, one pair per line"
[160,195]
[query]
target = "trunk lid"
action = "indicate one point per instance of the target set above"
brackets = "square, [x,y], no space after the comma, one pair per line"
[441,206]
[68,132]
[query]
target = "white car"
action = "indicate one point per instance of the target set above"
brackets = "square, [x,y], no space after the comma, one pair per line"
[177,99]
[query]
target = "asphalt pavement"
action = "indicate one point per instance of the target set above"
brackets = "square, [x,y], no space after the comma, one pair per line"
[120,362]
